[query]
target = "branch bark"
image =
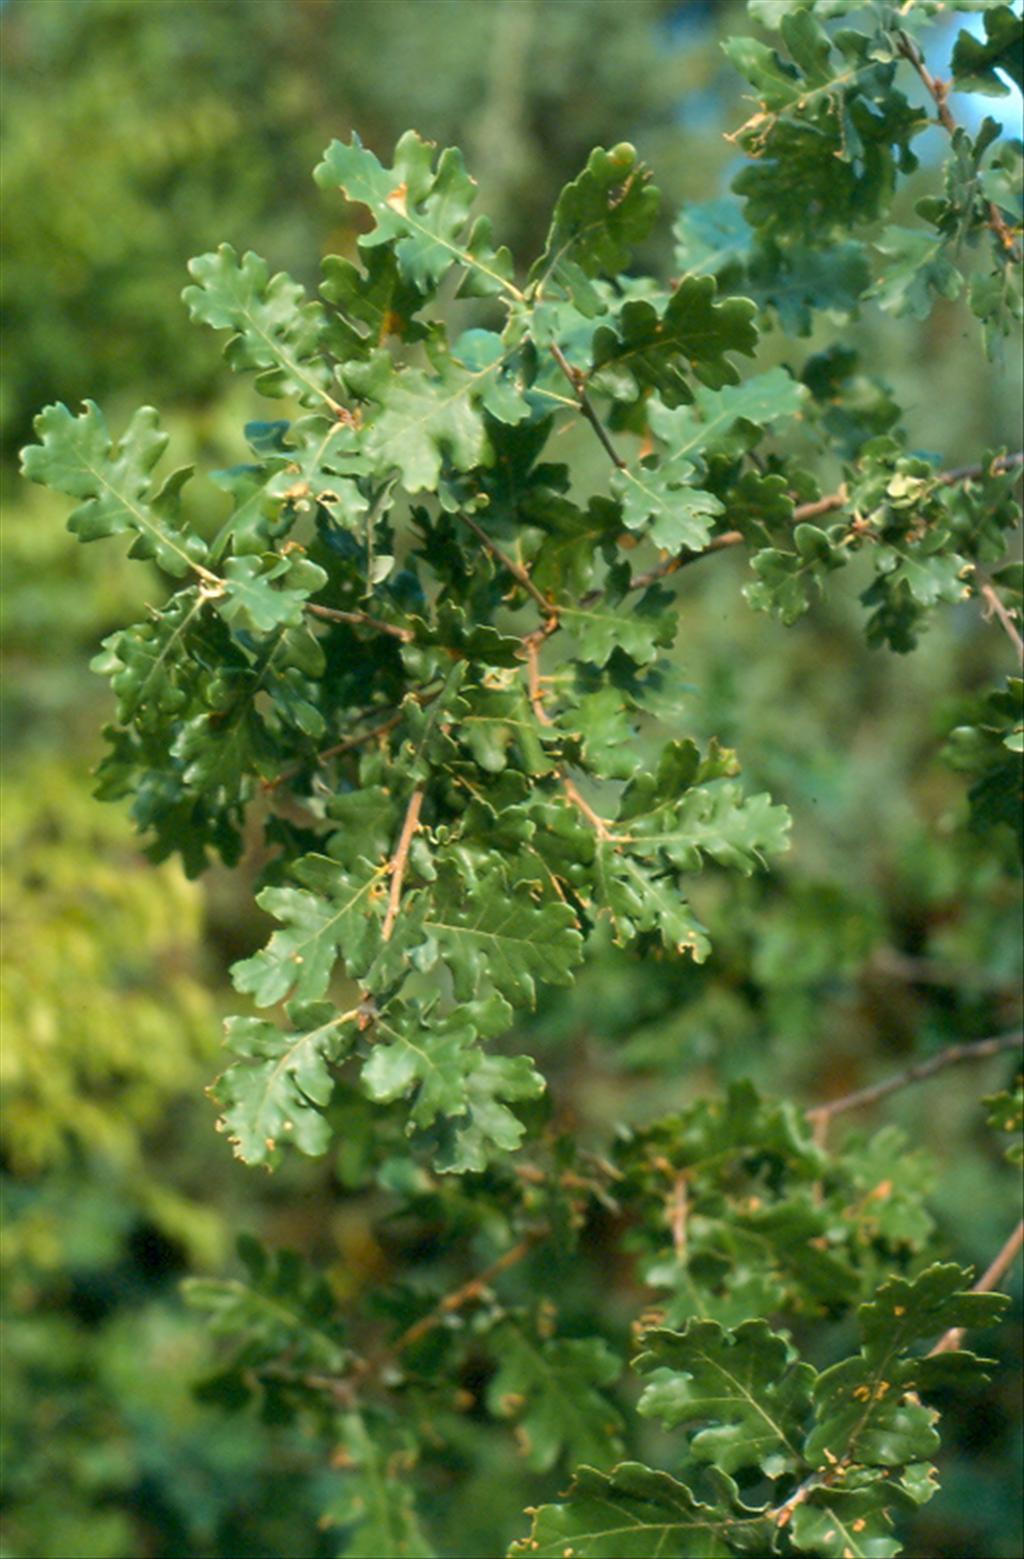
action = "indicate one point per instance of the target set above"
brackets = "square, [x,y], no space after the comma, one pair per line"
[517,570]
[597,823]
[586,406]
[678,1215]
[950,1341]
[398,862]
[996,607]
[463,1295]
[976,1050]
[811,511]
[333,614]
[939,91]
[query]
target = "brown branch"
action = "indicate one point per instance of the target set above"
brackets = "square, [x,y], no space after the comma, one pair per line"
[678,1213]
[972,473]
[599,824]
[729,538]
[939,91]
[976,1050]
[822,1479]
[339,748]
[996,606]
[831,501]
[351,742]
[517,570]
[462,1296]
[531,645]
[950,1341]
[398,862]
[576,379]
[359,620]
[810,511]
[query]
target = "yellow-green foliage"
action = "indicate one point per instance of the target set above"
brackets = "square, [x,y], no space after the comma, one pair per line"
[107,1026]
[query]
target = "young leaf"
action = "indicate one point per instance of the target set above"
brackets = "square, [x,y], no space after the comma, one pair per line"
[423,418]
[270,591]
[918,267]
[976,61]
[275,1101]
[867,1407]
[551,1387]
[331,915]
[713,820]
[659,496]
[433,1055]
[489,1127]
[848,1523]
[276,331]
[598,218]
[600,628]
[422,211]
[648,350]
[636,1513]
[491,934]
[1006,1113]
[740,1384]
[375,1504]
[727,421]
[77,456]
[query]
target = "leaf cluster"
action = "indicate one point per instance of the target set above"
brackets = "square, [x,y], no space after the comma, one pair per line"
[424,671]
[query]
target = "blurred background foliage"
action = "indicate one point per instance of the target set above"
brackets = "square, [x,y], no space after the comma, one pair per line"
[135,137]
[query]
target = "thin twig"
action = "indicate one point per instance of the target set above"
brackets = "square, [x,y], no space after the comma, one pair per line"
[586,408]
[398,862]
[939,91]
[820,1479]
[359,620]
[517,570]
[678,1212]
[599,824]
[810,511]
[950,1341]
[972,473]
[463,1295]
[729,538]
[351,742]
[531,645]
[976,1050]
[831,501]
[991,595]
[338,749]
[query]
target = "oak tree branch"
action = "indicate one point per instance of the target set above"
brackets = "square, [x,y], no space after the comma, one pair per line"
[950,1341]
[975,1050]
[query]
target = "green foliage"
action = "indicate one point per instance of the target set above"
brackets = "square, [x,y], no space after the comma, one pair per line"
[743,1174]
[374,1505]
[976,62]
[990,747]
[412,661]
[98,1054]
[840,1450]
[281,1309]
[1006,1113]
